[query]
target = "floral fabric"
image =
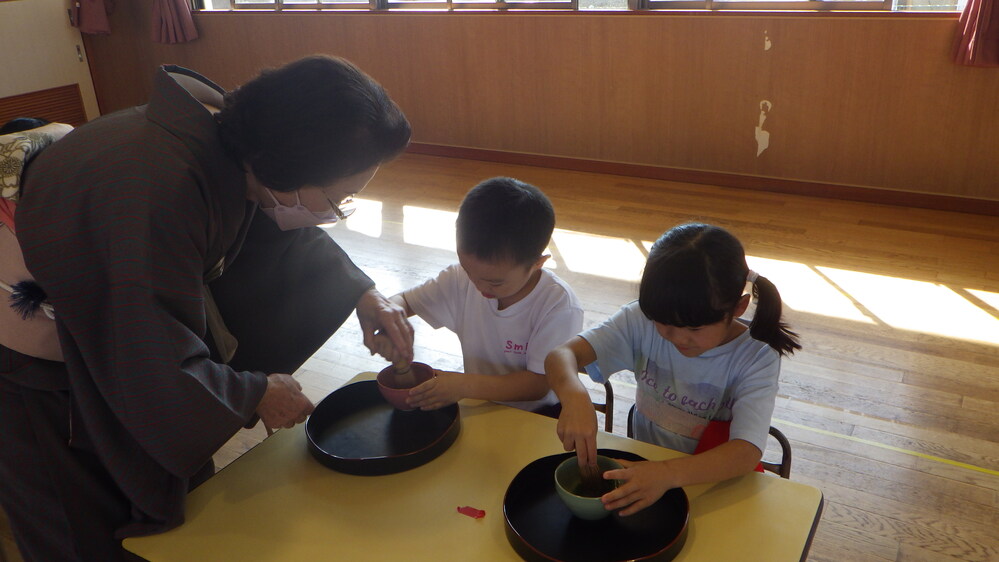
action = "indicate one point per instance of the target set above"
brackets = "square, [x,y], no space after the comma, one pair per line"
[17,149]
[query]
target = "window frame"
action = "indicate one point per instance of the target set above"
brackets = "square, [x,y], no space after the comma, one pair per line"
[402,5]
[764,6]
[841,7]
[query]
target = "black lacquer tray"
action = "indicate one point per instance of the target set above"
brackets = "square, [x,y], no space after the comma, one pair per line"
[540,527]
[354,430]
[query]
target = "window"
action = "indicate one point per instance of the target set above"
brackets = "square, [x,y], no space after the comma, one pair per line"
[478,4]
[585,5]
[815,5]
[441,5]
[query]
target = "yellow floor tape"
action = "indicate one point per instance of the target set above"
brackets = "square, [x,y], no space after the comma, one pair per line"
[891,448]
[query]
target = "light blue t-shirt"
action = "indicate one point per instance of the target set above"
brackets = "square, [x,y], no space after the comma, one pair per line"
[736,381]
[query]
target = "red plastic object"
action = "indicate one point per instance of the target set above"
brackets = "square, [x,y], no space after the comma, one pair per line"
[715,434]
[472,512]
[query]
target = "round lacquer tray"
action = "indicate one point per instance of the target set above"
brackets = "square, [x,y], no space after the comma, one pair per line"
[354,430]
[541,527]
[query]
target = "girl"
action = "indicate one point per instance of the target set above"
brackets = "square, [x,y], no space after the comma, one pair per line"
[703,377]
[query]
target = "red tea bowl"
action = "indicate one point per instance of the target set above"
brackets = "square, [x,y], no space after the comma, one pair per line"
[396,393]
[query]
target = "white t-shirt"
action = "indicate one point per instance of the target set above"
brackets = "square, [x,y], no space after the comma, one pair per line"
[497,342]
[736,381]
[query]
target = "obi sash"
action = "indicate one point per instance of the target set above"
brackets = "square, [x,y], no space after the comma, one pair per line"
[28,333]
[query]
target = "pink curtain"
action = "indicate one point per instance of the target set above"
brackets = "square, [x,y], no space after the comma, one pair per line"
[978,34]
[172,22]
[91,16]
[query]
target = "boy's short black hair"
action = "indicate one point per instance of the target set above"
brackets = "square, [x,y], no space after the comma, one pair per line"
[311,122]
[505,218]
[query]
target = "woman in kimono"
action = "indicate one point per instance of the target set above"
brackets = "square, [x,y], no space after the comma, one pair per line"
[175,243]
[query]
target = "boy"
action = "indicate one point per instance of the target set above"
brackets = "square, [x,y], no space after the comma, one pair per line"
[507,311]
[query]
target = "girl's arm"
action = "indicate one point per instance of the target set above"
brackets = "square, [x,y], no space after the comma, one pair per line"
[577,425]
[647,481]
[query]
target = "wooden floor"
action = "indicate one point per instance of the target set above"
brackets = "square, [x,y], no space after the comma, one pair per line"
[891,406]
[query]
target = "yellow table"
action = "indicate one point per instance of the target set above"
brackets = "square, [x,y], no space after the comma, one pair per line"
[276,502]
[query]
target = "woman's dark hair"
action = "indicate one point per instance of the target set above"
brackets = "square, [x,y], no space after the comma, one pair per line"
[311,122]
[695,275]
[18,124]
[505,218]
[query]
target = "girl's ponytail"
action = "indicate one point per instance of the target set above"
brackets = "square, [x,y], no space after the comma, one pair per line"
[767,325]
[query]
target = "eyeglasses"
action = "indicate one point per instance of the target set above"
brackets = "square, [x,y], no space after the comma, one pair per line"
[344,208]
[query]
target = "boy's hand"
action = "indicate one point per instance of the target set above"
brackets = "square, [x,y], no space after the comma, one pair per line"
[442,390]
[645,482]
[577,428]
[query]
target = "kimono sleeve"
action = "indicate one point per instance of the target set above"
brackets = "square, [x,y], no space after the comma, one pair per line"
[285,294]
[122,255]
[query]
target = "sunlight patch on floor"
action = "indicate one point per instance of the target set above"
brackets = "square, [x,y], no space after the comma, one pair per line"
[991,299]
[435,339]
[803,289]
[367,219]
[615,258]
[918,306]
[900,303]
[428,227]
[551,262]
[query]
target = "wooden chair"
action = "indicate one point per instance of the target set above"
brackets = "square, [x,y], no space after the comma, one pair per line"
[607,407]
[631,422]
[781,468]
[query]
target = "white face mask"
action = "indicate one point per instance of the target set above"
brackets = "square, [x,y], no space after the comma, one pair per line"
[299,216]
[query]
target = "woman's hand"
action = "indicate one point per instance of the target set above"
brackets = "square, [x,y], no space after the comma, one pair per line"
[283,404]
[442,390]
[382,345]
[644,483]
[378,315]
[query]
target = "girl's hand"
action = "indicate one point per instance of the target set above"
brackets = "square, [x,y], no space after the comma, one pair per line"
[577,429]
[645,482]
[442,390]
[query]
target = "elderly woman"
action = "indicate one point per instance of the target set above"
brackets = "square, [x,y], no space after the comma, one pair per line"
[176,246]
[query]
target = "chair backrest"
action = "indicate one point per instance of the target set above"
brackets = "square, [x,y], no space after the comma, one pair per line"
[781,468]
[607,407]
[631,422]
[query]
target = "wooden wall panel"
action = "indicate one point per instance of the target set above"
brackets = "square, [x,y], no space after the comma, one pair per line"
[59,105]
[865,101]
[39,50]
